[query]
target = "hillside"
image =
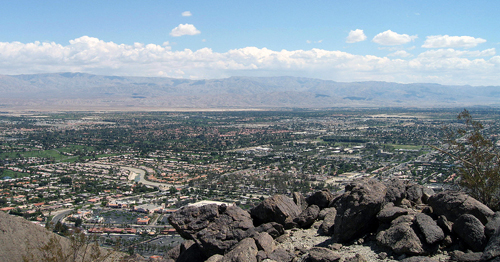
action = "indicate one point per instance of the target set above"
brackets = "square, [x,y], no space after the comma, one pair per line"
[78,91]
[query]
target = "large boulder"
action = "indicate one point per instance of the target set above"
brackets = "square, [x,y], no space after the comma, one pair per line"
[389,212]
[277,208]
[216,229]
[321,198]
[492,249]
[471,231]
[414,193]
[401,238]
[396,190]
[453,204]
[327,227]
[493,226]
[307,217]
[300,200]
[429,228]
[244,251]
[357,209]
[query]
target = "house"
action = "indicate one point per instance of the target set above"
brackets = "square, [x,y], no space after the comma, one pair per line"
[143,220]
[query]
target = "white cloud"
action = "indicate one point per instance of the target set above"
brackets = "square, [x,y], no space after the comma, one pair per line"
[355,36]
[186,13]
[184,29]
[400,53]
[95,56]
[392,38]
[316,42]
[440,41]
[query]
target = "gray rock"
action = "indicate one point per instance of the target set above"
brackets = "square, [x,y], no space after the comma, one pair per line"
[307,217]
[216,229]
[325,211]
[401,239]
[190,252]
[174,252]
[493,225]
[446,225]
[492,249]
[272,228]
[356,258]
[390,212]
[277,208]
[281,255]
[396,190]
[244,251]
[453,204]
[414,193]
[300,200]
[327,227]
[215,258]
[321,198]
[357,209]
[471,231]
[321,254]
[426,194]
[460,256]
[261,255]
[429,228]
[265,242]
[403,219]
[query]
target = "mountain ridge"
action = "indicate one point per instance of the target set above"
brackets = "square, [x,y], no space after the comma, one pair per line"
[87,91]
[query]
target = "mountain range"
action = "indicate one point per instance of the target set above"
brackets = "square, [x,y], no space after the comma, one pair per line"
[80,91]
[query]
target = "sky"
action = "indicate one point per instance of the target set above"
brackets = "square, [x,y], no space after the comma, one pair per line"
[404,41]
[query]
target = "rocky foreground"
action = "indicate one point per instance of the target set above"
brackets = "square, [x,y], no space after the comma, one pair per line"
[370,221]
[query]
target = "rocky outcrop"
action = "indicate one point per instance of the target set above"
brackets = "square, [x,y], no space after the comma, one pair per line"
[392,216]
[278,208]
[357,209]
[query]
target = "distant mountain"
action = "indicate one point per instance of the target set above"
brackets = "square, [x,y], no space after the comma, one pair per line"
[79,91]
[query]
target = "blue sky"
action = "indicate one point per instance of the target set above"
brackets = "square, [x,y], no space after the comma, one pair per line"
[447,42]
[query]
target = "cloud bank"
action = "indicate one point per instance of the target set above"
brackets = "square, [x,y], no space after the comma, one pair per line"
[91,55]
[440,41]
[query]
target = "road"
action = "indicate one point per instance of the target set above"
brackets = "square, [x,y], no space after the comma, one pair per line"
[60,215]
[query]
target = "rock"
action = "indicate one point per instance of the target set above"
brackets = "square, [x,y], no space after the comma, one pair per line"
[357,209]
[261,255]
[321,198]
[453,204]
[460,256]
[174,252]
[191,252]
[401,239]
[300,200]
[396,190]
[429,228]
[419,259]
[277,208]
[390,212]
[216,229]
[321,254]
[281,255]
[327,227]
[272,228]
[426,194]
[414,193]
[403,219]
[215,258]
[265,242]
[325,211]
[492,249]
[244,251]
[493,225]
[471,231]
[446,225]
[356,258]
[307,217]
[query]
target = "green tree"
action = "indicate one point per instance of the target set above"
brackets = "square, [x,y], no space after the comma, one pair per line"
[478,160]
